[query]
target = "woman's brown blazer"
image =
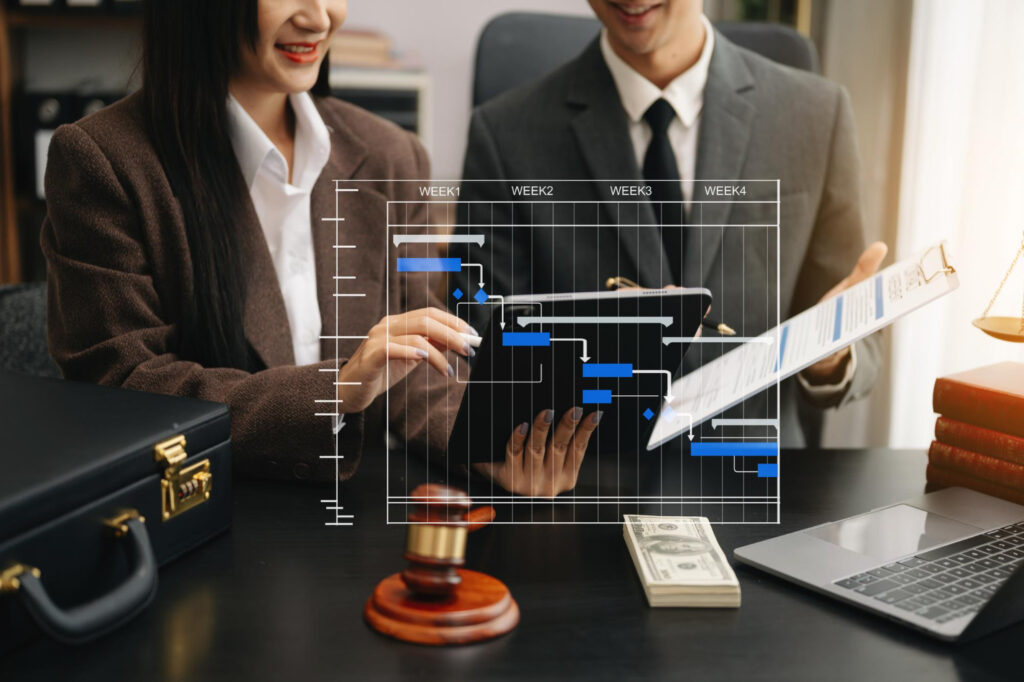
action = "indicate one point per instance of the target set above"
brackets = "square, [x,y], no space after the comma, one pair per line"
[120,277]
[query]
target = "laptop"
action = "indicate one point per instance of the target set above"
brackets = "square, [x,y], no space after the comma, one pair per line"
[948,563]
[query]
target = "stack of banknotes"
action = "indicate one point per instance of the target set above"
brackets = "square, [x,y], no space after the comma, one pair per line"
[679,561]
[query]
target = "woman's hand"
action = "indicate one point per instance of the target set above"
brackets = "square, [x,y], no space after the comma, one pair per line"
[537,467]
[394,347]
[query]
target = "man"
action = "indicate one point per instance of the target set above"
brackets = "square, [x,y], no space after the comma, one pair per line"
[662,96]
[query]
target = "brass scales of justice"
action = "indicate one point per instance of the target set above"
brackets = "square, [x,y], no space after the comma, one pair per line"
[1002,327]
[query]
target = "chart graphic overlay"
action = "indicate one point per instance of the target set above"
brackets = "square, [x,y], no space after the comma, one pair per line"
[494,251]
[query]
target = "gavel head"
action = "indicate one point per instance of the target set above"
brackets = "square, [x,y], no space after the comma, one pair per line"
[436,544]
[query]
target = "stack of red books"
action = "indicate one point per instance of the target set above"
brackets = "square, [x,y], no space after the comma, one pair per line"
[979,435]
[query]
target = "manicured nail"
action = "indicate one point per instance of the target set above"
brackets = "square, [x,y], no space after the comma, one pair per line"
[523,428]
[468,350]
[472,331]
[422,353]
[451,370]
[596,417]
[576,413]
[549,416]
[472,353]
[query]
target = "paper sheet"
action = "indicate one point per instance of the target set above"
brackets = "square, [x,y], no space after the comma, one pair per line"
[804,339]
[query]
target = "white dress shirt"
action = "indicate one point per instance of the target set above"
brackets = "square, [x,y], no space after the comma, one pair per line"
[686,95]
[283,209]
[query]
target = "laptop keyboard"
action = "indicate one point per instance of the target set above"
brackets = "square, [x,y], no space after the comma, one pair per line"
[948,582]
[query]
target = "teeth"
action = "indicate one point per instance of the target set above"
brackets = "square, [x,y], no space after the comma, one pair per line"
[297,49]
[635,10]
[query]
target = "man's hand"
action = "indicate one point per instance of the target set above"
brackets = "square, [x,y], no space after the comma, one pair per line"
[830,370]
[539,467]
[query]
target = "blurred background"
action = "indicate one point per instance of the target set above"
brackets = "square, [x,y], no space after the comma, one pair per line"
[937,88]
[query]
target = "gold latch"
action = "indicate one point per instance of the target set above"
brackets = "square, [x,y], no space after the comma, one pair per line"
[119,524]
[181,488]
[9,577]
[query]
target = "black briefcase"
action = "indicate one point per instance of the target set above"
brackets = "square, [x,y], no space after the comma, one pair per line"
[99,487]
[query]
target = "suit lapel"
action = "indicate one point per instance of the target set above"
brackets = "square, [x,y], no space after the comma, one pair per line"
[265,318]
[348,152]
[602,132]
[725,126]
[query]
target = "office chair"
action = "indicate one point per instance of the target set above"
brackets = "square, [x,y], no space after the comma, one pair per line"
[23,330]
[520,47]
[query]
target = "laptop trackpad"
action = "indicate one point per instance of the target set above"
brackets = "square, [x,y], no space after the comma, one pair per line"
[893,532]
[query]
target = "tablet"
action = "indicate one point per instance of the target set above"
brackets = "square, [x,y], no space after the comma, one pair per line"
[613,351]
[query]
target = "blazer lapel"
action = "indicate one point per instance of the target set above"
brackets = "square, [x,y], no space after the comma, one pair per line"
[265,318]
[721,152]
[602,132]
[348,152]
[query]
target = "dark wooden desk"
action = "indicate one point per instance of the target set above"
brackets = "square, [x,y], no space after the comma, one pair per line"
[281,596]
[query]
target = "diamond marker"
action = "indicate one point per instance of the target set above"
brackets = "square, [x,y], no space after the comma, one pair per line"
[648,414]
[457,294]
[480,296]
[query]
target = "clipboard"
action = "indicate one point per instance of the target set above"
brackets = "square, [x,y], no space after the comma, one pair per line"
[804,339]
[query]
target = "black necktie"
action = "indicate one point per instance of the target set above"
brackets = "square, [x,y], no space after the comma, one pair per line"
[660,164]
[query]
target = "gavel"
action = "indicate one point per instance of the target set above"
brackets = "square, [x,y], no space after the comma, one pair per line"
[436,544]
[434,600]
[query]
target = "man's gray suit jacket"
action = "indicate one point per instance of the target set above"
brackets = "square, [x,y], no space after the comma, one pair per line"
[760,120]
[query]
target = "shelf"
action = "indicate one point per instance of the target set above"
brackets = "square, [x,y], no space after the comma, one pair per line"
[73,20]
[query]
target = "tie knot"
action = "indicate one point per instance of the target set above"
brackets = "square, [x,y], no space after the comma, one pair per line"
[659,115]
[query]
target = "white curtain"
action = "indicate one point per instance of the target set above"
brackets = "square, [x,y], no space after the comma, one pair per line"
[962,180]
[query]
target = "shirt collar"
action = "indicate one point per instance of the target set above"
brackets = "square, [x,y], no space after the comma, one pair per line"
[685,93]
[254,150]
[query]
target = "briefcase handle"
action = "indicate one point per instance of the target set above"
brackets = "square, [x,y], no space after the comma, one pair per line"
[92,619]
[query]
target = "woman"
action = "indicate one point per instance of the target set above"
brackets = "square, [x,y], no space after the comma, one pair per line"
[187,254]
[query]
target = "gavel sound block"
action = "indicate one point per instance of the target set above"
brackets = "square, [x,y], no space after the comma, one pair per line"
[434,601]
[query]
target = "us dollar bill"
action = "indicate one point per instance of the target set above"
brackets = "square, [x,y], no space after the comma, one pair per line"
[677,551]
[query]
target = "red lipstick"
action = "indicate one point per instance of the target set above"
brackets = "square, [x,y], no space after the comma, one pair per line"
[300,53]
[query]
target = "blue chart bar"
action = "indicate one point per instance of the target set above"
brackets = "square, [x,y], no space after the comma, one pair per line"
[738,449]
[879,311]
[597,397]
[525,339]
[767,470]
[596,370]
[837,332]
[782,347]
[429,264]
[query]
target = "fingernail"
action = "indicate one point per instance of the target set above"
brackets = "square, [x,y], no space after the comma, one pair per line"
[472,353]
[549,416]
[523,428]
[596,417]
[451,370]
[576,413]
[468,350]
[422,353]
[472,331]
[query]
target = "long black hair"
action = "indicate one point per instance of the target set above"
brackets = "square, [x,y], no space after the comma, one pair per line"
[191,48]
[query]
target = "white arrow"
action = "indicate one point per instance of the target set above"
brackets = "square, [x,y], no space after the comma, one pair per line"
[585,357]
[687,414]
[476,265]
[668,378]
[502,300]
[717,339]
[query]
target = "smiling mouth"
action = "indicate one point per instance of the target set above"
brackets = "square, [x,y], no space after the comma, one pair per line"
[300,53]
[632,13]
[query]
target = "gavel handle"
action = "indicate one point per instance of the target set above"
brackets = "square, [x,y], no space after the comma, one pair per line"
[478,518]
